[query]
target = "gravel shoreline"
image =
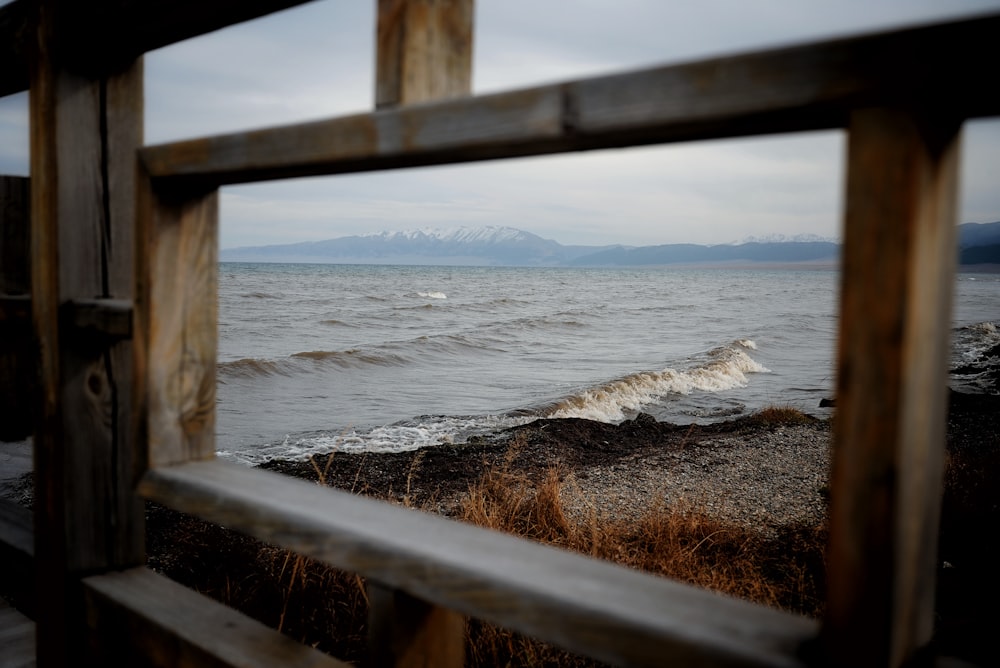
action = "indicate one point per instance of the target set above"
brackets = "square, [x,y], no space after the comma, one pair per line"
[757,476]
[761,480]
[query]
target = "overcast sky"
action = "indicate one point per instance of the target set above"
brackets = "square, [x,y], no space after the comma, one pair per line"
[317,61]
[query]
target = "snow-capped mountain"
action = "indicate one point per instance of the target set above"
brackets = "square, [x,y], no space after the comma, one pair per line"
[786,239]
[489,245]
[490,234]
[508,246]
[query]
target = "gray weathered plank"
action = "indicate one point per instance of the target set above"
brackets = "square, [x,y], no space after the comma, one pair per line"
[116,31]
[175,324]
[143,619]
[786,90]
[84,134]
[423,51]
[585,605]
[897,283]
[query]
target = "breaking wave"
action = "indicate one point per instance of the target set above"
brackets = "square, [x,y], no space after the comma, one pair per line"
[975,363]
[725,368]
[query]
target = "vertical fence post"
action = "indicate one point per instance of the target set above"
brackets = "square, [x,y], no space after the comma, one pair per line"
[424,53]
[406,632]
[176,322]
[85,130]
[897,283]
[17,368]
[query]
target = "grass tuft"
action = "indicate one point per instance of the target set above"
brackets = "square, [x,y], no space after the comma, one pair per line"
[776,416]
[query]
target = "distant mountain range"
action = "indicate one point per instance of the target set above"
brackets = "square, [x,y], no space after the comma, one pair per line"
[507,246]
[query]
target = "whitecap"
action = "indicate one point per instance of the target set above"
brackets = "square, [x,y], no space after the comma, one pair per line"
[726,368]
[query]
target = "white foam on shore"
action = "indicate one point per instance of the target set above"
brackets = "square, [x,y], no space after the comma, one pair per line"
[400,437]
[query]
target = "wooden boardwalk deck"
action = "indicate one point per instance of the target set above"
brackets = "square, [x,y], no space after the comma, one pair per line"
[17,638]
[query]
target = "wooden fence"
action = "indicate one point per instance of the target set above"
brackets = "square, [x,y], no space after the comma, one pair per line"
[118,337]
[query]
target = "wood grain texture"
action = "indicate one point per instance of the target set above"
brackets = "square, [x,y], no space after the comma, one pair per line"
[897,282]
[614,614]
[110,318]
[84,134]
[104,34]
[176,322]
[423,51]
[405,632]
[139,618]
[786,90]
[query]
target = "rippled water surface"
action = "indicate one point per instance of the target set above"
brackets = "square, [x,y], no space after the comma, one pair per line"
[389,358]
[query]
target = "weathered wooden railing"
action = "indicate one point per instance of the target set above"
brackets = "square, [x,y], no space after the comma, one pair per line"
[123,308]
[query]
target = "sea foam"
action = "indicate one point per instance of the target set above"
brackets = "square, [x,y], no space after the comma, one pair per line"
[400,437]
[725,368]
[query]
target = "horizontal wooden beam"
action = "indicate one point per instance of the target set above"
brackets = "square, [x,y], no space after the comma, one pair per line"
[108,317]
[588,606]
[103,32]
[111,318]
[141,618]
[786,90]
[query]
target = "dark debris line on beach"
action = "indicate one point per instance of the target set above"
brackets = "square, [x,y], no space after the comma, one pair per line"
[446,470]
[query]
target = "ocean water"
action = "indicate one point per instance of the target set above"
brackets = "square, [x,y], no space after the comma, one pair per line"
[389,358]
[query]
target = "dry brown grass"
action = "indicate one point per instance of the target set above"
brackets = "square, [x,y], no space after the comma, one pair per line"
[772,416]
[783,570]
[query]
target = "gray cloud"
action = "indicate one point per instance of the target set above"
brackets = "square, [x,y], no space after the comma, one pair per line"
[317,61]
